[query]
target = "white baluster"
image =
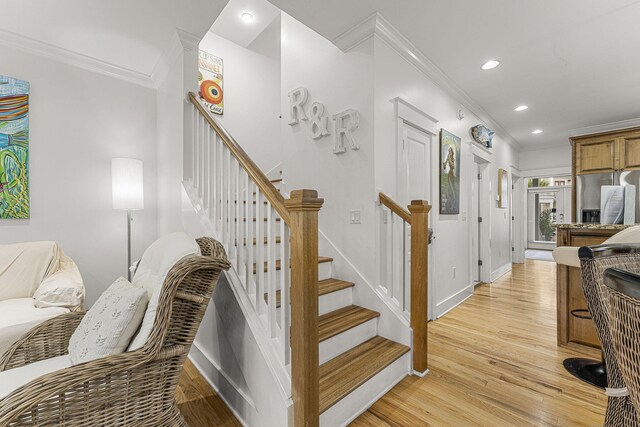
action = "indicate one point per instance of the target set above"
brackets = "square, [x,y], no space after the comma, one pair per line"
[389,255]
[239,223]
[233,219]
[206,190]
[271,266]
[212,173]
[260,235]
[251,287]
[285,309]
[224,181]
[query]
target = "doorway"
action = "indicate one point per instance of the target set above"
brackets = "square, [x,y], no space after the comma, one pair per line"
[547,205]
[480,220]
[518,241]
[415,183]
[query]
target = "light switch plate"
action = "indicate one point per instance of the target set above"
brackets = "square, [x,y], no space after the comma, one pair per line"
[354,216]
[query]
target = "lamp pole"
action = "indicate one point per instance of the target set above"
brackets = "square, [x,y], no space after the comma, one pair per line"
[129,220]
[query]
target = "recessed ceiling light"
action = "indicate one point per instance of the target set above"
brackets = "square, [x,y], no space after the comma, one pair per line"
[247,17]
[537,131]
[490,64]
[521,107]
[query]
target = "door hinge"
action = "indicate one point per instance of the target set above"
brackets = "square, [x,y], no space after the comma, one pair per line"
[479,176]
[513,249]
[513,218]
[479,219]
[480,262]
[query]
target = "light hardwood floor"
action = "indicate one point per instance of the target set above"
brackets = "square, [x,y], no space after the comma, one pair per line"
[493,362]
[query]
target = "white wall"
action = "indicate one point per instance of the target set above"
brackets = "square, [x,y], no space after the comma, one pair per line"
[546,158]
[252,93]
[79,120]
[340,81]
[395,77]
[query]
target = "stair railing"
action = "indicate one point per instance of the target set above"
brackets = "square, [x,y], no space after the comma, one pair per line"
[272,243]
[404,254]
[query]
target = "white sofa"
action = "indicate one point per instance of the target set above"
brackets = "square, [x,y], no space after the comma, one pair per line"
[37,282]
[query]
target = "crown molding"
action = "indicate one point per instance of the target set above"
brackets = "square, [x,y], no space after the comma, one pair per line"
[376,25]
[605,127]
[188,40]
[65,56]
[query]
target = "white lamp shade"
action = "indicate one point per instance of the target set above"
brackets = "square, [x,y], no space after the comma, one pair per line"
[126,184]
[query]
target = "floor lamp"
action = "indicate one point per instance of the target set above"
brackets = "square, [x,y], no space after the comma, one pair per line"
[127,193]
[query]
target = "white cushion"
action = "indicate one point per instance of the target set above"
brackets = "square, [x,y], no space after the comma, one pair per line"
[23,266]
[63,288]
[108,326]
[18,316]
[151,271]
[567,255]
[13,378]
[628,235]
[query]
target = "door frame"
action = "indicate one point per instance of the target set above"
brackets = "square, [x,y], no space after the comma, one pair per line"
[518,203]
[565,191]
[406,114]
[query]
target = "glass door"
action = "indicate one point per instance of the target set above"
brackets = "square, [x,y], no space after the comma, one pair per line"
[547,207]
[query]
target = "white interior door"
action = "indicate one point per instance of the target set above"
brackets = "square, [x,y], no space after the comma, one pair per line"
[414,166]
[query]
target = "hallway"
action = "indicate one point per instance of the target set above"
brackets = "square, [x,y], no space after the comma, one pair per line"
[494,362]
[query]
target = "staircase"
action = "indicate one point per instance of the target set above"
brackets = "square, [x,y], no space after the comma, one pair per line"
[267,245]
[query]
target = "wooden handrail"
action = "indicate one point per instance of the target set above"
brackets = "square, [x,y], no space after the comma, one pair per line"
[395,208]
[261,180]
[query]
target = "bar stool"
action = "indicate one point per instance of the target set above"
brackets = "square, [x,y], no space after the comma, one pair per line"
[623,290]
[594,261]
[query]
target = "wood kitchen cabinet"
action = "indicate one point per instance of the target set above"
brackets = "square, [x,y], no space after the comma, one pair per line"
[609,152]
[574,330]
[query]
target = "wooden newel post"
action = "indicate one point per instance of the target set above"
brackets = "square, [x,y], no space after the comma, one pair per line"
[303,206]
[419,280]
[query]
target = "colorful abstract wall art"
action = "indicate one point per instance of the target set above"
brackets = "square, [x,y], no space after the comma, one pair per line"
[210,81]
[449,173]
[14,148]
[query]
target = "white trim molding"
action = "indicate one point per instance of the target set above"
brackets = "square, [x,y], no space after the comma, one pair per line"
[605,127]
[65,56]
[180,42]
[377,25]
[409,113]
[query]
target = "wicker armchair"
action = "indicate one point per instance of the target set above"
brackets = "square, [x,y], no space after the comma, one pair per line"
[130,389]
[595,260]
[623,290]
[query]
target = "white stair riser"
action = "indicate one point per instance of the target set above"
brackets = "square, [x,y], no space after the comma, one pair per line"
[359,400]
[324,272]
[347,340]
[335,300]
[327,302]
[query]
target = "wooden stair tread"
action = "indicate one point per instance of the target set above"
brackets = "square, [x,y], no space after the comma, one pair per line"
[343,319]
[343,374]
[327,286]
[321,259]
[254,219]
[266,240]
[324,287]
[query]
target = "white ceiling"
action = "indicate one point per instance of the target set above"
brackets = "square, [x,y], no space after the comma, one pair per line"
[575,63]
[131,34]
[230,26]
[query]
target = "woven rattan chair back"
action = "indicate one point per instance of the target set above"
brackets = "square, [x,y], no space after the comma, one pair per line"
[625,332]
[620,411]
[135,388]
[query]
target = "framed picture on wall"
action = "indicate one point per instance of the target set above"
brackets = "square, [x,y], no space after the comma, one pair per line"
[210,82]
[14,148]
[503,189]
[449,173]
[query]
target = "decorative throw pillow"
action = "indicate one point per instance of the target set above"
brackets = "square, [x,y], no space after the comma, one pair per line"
[108,326]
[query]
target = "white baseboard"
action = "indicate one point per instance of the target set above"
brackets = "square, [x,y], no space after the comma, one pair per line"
[499,272]
[443,307]
[199,359]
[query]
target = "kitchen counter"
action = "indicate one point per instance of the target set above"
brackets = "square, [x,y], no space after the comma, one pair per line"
[594,226]
[572,330]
